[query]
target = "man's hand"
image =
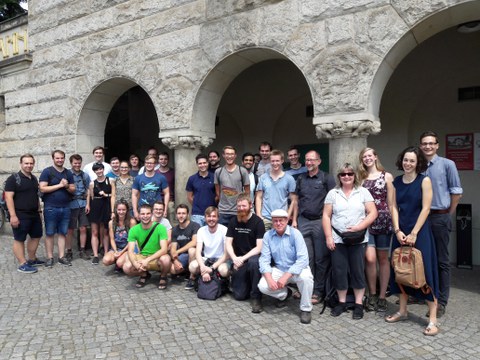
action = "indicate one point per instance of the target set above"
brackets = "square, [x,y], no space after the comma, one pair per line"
[238,262]
[14,222]
[282,282]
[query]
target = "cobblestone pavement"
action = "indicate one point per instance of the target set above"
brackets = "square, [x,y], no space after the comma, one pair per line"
[89,312]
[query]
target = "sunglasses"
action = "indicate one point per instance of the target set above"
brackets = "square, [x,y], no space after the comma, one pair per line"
[346,174]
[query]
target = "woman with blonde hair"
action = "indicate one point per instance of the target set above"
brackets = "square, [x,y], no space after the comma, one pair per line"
[375,179]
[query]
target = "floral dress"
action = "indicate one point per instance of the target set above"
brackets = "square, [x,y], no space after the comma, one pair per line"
[378,189]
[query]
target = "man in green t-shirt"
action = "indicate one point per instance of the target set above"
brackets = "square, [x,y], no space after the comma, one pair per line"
[147,253]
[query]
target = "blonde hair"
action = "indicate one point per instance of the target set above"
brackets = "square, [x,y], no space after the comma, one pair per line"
[362,171]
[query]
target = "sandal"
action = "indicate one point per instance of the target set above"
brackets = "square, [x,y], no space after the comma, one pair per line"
[162,285]
[431,329]
[393,318]
[316,299]
[296,295]
[143,280]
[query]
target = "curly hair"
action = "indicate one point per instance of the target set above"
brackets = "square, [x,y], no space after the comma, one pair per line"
[422,162]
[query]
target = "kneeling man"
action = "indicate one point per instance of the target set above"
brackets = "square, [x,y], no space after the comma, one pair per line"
[147,249]
[243,244]
[210,250]
[285,247]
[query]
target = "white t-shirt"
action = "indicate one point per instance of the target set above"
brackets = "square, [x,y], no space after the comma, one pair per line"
[88,169]
[213,244]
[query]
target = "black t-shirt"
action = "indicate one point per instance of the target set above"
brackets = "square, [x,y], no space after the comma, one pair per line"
[25,197]
[183,236]
[245,235]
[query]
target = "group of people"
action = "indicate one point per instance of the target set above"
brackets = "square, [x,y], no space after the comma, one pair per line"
[261,225]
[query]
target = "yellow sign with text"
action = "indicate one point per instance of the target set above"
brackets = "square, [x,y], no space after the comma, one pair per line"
[14,44]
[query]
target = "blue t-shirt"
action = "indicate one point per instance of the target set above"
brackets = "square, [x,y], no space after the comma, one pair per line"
[151,188]
[60,197]
[275,193]
[203,190]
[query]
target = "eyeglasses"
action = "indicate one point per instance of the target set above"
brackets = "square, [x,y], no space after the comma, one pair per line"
[429,143]
[149,163]
[346,174]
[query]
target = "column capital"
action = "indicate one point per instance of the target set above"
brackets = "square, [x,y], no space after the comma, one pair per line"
[187,142]
[346,125]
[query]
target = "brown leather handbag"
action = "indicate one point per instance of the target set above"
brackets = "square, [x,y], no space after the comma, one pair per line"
[407,263]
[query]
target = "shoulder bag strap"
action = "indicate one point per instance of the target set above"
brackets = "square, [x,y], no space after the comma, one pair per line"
[148,237]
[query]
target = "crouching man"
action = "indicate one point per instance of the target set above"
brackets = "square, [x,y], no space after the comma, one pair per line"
[147,250]
[210,250]
[243,244]
[285,247]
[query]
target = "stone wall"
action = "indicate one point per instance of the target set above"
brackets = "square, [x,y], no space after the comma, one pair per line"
[170,47]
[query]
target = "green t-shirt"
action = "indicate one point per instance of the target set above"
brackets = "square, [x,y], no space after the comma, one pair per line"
[139,234]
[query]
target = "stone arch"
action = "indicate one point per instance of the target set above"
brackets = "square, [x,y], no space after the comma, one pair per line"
[218,80]
[95,111]
[420,31]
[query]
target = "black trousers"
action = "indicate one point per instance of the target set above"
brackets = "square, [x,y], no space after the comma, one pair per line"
[245,280]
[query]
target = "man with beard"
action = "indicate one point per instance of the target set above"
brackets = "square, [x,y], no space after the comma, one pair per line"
[158,211]
[210,255]
[274,189]
[248,162]
[243,244]
[214,161]
[57,186]
[311,189]
[184,241]
[230,181]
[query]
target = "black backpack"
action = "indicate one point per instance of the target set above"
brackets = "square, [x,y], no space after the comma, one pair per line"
[212,289]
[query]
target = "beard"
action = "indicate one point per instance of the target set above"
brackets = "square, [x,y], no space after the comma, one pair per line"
[242,215]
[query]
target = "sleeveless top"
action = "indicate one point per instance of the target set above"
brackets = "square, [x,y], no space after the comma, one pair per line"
[121,237]
[99,186]
[378,189]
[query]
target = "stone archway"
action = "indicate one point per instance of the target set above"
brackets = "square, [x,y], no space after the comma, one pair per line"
[96,110]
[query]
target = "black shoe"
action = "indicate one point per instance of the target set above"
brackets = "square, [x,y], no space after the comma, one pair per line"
[357,312]
[372,302]
[118,270]
[305,317]
[69,255]
[338,310]
[282,303]
[82,254]
[190,285]
[382,305]
[49,263]
[257,307]
[64,261]
[95,260]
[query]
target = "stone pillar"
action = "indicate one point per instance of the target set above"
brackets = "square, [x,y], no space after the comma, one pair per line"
[348,136]
[185,148]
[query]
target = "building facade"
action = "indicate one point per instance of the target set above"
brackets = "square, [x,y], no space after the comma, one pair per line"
[203,74]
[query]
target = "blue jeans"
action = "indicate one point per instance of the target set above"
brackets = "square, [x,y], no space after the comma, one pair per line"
[56,220]
[224,219]
[441,225]
[199,219]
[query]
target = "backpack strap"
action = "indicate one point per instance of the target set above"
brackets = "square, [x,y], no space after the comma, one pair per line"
[140,247]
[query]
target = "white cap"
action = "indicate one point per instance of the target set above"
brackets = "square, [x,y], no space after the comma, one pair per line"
[279,213]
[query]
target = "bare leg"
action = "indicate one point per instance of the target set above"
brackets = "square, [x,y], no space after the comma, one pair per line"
[49,246]
[32,246]
[83,237]
[68,239]
[61,245]
[359,295]
[95,239]
[371,269]
[19,251]
[384,271]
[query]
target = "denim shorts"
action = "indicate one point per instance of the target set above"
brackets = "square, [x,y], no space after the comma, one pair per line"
[199,219]
[183,258]
[380,241]
[28,226]
[56,220]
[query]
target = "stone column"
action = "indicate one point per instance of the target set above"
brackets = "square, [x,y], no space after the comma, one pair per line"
[185,148]
[348,136]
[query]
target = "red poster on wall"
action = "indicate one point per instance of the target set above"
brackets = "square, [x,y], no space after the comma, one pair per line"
[460,150]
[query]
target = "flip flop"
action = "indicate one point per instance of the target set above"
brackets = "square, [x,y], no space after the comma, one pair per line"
[393,318]
[316,299]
